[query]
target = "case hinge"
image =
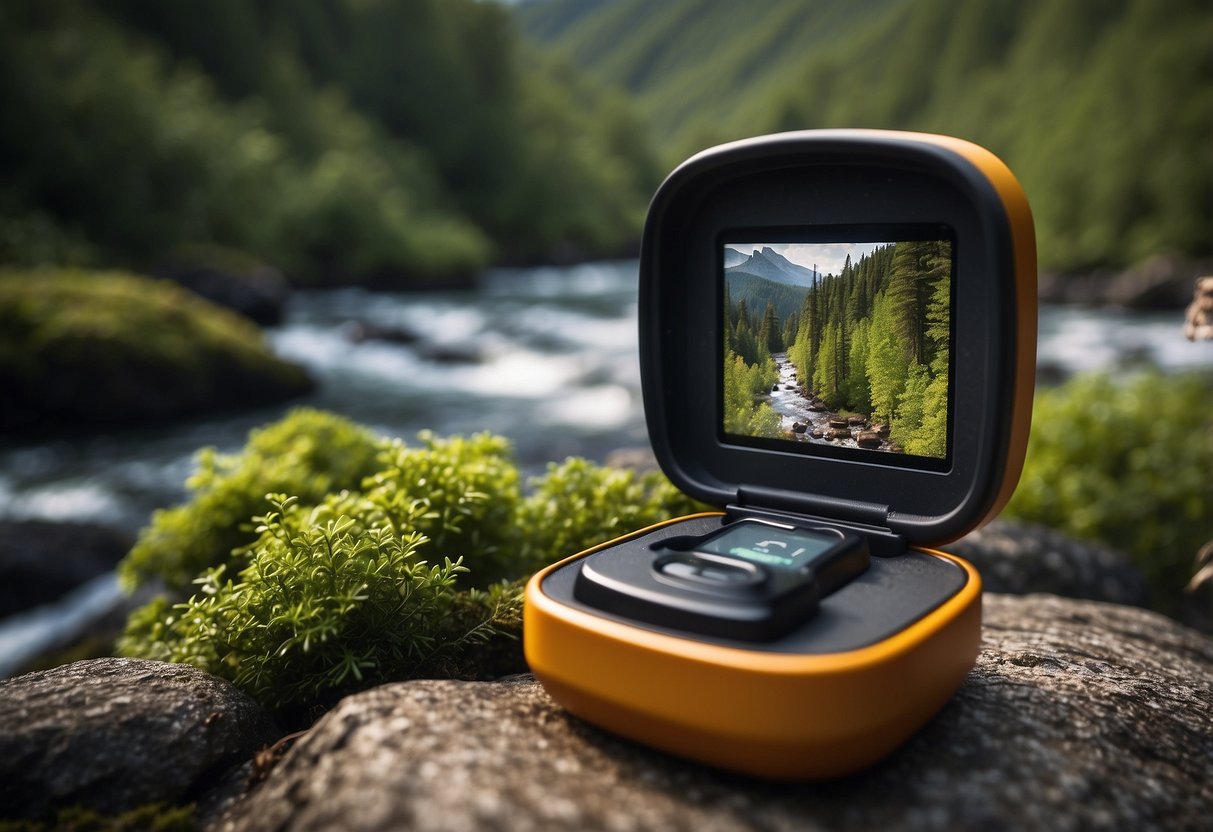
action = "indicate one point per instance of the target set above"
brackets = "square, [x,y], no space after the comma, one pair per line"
[799,509]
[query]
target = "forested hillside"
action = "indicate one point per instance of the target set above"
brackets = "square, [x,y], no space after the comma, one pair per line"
[1103,109]
[689,63]
[338,139]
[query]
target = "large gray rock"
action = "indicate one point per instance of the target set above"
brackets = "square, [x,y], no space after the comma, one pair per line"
[1078,715]
[113,734]
[1021,558]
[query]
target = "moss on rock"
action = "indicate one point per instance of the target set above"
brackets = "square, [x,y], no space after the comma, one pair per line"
[85,348]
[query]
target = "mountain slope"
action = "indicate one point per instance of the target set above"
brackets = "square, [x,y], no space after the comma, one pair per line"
[1103,109]
[770,265]
[691,63]
[757,292]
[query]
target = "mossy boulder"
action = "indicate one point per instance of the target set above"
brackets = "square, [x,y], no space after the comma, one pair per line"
[84,349]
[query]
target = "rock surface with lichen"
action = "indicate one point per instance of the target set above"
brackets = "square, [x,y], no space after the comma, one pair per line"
[1078,715]
[113,734]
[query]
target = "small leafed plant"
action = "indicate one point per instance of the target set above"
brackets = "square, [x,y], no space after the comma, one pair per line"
[417,570]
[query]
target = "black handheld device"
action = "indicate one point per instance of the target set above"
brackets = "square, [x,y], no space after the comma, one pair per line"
[751,580]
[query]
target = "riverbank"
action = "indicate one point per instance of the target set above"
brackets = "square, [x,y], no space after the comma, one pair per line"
[804,417]
[1159,283]
[547,357]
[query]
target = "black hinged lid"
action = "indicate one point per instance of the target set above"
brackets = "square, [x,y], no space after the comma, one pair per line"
[802,194]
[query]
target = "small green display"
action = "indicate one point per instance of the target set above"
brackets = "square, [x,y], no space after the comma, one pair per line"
[770,545]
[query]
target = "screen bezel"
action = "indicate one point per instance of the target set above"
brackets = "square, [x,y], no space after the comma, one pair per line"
[861,233]
[830,178]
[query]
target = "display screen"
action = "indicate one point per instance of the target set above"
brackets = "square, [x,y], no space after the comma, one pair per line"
[759,543]
[839,346]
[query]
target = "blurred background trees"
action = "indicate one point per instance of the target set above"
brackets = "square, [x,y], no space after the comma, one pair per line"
[342,141]
[396,140]
[1103,108]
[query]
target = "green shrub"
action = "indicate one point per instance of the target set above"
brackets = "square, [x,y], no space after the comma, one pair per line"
[79,347]
[388,561]
[1128,463]
[328,603]
[463,493]
[307,454]
[577,504]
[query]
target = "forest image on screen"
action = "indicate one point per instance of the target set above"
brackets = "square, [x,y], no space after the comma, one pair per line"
[842,344]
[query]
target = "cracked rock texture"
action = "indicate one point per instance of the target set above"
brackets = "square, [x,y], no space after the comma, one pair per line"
[1078,715]
[113,734]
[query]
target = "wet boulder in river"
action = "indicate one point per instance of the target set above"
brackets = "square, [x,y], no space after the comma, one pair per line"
[868,439]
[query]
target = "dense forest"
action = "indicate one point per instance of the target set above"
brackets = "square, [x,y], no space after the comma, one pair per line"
[400,140]
[368,140]
[1103,109]
[872,340]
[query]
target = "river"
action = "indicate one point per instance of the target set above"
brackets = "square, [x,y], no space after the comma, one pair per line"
[544,356]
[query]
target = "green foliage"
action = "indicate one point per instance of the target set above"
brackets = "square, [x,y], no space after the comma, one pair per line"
[757,292]
[744,385]
[341,140]
[1127,463]
[691,63]
[461,492]
[577,504]
[1073,96]
[308,454]
[156,350]
[152,817]
[396,561]
[328,603]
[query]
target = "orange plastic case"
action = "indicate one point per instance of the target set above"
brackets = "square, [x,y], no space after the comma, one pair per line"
[888,650]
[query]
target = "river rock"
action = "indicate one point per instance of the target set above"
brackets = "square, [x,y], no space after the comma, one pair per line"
[357,332]
[1020,558]
[255,290]
[838,422]
[1161,282]
[451,353]
[799,427]
[41,560]
[1078,715]
[857,421]
[882,430]
[868,439]
[1198,318]
[113,734]
[838,433]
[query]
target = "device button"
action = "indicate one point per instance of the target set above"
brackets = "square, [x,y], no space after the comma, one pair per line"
[713,573]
